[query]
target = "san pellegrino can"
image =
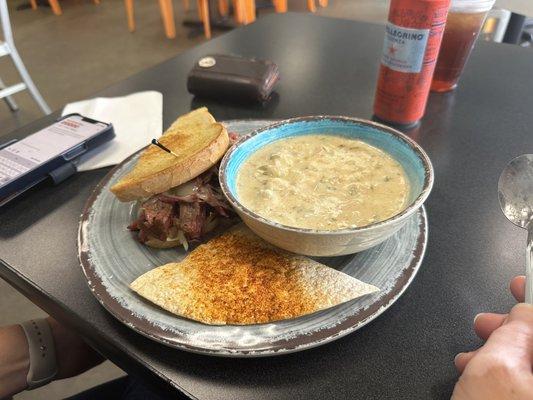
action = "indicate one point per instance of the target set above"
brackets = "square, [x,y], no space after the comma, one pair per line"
[412,41]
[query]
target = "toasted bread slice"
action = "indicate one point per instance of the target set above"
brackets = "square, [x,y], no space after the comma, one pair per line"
[239,279]
[198,142]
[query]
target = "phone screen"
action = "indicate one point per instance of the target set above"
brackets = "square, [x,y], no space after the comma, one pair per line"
[44,145]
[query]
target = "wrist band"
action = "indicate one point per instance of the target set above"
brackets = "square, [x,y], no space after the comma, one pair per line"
[43,366]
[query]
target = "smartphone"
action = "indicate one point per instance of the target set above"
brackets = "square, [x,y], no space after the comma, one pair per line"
[27,162]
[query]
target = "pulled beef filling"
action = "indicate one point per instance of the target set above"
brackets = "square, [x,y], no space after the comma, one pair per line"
[163,215]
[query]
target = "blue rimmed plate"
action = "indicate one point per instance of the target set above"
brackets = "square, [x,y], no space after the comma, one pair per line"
[111,259]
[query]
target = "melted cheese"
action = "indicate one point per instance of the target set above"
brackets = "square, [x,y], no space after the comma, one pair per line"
[322,182]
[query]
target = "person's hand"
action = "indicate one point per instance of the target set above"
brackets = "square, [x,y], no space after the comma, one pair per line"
[502,368]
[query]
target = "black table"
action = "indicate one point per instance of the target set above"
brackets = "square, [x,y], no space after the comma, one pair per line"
[328,66]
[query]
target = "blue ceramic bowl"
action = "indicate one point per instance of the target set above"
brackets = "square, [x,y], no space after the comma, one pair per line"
[329,242]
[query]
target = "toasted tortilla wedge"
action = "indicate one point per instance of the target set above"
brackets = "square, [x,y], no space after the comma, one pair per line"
[239,279]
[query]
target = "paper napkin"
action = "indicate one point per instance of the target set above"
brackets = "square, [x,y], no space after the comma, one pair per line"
[137,118]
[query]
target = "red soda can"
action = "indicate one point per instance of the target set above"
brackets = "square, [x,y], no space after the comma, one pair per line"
[412,41]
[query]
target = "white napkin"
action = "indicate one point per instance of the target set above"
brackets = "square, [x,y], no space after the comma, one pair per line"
[137,119]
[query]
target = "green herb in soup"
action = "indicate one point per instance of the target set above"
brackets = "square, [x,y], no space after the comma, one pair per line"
[322,182]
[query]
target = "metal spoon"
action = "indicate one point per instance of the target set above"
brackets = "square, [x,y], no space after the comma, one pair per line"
[515,192]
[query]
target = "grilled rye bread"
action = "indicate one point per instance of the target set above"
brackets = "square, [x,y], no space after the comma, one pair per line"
[197,140]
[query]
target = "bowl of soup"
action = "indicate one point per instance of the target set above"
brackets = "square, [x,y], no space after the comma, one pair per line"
[325,185]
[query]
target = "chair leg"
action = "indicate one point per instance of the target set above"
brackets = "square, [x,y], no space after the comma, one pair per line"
[240,11]
[311,5]
[186,5]
[8,99]
[250,11]
[28,81]
[280,6]
[203,9]
[130,14]
[323,3]
[97,2]
[56,8]
[33,4]
[223,7]
[199,10]
[167,13]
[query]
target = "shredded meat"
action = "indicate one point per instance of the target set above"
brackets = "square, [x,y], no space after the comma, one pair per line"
[233,137]
[192,219]
[163,215]
[155,218]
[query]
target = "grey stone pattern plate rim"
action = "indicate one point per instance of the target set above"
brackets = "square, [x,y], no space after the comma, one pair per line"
[404,251]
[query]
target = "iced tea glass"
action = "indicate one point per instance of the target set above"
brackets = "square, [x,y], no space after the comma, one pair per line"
[465,19]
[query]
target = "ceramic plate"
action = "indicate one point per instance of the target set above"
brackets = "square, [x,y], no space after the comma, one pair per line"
[111,259]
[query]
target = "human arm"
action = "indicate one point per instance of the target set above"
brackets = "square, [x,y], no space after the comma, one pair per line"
[73,356]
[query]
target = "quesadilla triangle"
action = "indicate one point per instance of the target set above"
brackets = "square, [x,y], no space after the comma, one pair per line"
[239,279]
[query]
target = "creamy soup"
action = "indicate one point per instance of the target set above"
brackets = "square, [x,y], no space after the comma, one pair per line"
[322,182]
